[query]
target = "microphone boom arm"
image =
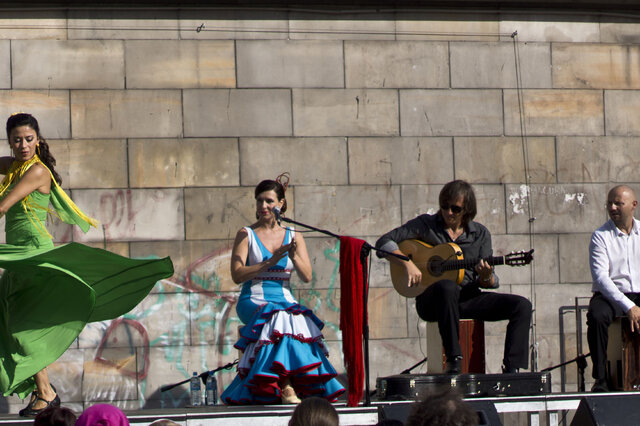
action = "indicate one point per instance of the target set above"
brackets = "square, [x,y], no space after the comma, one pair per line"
[331,234]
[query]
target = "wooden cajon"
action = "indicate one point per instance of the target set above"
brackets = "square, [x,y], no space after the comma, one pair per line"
[623,356]
[471,340]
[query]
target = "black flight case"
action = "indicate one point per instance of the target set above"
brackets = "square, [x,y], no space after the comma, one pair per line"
[413,386]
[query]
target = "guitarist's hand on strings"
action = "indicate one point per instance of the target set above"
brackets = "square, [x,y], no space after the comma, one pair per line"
[485,274]
[414,275]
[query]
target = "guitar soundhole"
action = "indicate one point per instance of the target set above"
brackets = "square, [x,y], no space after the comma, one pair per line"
[434,266]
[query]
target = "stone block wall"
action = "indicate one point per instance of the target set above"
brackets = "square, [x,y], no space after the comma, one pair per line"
[163,121]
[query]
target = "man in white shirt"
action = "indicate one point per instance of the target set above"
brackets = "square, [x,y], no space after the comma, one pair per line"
[614,258]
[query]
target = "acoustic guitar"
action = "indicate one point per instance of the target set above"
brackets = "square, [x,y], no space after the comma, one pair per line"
[444,261]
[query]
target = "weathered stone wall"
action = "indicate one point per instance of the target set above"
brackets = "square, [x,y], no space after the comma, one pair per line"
[163,121]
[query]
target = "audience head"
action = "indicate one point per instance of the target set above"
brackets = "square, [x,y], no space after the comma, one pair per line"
[314,411]
[389,422]
[55,416]
[102,415]
[444,408]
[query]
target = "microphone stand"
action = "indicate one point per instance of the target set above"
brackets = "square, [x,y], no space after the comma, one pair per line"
[364,254]
[202,376]
[408,370]
[581,362]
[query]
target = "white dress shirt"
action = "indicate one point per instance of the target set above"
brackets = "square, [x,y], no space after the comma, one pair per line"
[614,258]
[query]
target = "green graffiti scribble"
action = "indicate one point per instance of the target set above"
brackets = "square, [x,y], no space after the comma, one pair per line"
[312,298]
[333,255]
[230,334]
[210,283]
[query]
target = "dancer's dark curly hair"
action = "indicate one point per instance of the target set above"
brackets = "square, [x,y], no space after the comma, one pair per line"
[24,119]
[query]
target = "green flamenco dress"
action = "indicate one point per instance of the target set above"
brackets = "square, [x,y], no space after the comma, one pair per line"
[48,294]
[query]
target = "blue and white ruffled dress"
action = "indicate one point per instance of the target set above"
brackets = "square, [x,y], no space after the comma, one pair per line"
[281,338]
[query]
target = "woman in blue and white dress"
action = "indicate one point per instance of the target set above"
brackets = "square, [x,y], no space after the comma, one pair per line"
[284,356]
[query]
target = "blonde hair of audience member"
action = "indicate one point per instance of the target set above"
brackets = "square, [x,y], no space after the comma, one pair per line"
[164,422]
[314,411]
[444,408]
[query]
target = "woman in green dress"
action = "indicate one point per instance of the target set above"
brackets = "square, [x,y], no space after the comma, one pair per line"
[48,294]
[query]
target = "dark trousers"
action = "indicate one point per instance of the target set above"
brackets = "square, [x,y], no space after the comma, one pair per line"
[600,315]
[446,302]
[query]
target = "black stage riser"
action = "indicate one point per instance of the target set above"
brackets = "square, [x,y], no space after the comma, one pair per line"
[487,413]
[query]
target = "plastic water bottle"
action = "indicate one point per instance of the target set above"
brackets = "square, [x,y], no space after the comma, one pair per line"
[196,390]
[211,388]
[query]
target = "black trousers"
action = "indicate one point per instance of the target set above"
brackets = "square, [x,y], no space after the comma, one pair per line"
[600,315]
[446,302]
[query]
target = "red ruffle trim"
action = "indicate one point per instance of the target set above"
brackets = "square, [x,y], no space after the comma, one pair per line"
[276,337]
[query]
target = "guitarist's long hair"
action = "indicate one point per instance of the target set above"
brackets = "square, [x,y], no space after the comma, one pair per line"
[455,189]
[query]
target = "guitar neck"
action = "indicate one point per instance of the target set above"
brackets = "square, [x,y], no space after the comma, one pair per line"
[452,265]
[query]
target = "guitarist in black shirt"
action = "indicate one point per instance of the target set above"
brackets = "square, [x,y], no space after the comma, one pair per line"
[446,300]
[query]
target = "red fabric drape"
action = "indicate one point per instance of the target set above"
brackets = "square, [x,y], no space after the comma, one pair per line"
[352,290]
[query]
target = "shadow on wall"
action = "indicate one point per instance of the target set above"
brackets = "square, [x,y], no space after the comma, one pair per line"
[174,398]
[4,405]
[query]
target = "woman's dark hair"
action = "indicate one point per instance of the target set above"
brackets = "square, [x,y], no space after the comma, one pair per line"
[272,185]
[55,416]
[442,408]
[459,188]
[390,422]
[314,411]
[24,119]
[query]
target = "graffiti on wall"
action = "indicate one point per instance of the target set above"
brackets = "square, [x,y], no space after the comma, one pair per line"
[187,324]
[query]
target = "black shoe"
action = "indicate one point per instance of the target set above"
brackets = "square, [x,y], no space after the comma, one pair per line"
[29,411]
[509,370]
[32,399]
[454,366]
[600,385]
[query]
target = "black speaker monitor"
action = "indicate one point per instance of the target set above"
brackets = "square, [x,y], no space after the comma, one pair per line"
[604,410]
[487,413]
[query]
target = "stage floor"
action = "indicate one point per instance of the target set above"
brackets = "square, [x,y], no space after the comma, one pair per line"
[553,407]
[550,406]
